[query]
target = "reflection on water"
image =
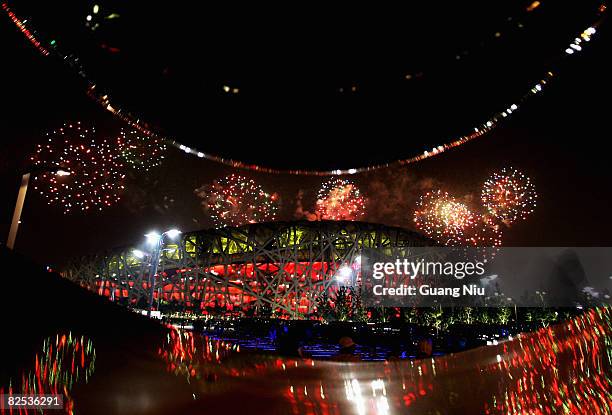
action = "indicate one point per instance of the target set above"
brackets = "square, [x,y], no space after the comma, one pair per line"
[564,369]
[560,369]
[63,361]
[568,369]
[193,356]
[353,394]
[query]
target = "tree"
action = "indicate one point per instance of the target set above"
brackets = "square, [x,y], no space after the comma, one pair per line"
[359,313]
[483,316]
[503,315]
[434,318]
[380,314]
[342,306]
[324,309]
[412,316]
[466,315]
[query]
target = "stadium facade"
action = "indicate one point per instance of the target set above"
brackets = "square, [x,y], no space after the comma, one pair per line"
[256,269]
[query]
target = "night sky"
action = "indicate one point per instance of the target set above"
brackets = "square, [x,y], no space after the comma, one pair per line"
[296,108]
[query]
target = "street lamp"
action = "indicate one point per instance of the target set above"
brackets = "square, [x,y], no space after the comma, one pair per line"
[155,240]
[25,180]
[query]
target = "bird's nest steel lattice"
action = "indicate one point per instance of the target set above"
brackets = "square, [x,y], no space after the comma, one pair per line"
[277,267]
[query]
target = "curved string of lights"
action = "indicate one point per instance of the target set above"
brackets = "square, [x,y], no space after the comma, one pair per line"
[103,99]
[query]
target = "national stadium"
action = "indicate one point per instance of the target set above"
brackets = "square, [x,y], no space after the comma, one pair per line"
[278,268]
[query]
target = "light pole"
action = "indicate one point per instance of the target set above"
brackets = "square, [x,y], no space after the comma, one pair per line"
[156,240]
[25,180]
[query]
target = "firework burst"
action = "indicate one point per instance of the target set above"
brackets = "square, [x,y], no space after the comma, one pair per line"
[140,152]
[509,195]
[94,175]
[441,217]
[235,200]
[484,238]
[483,232]
[340,199]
